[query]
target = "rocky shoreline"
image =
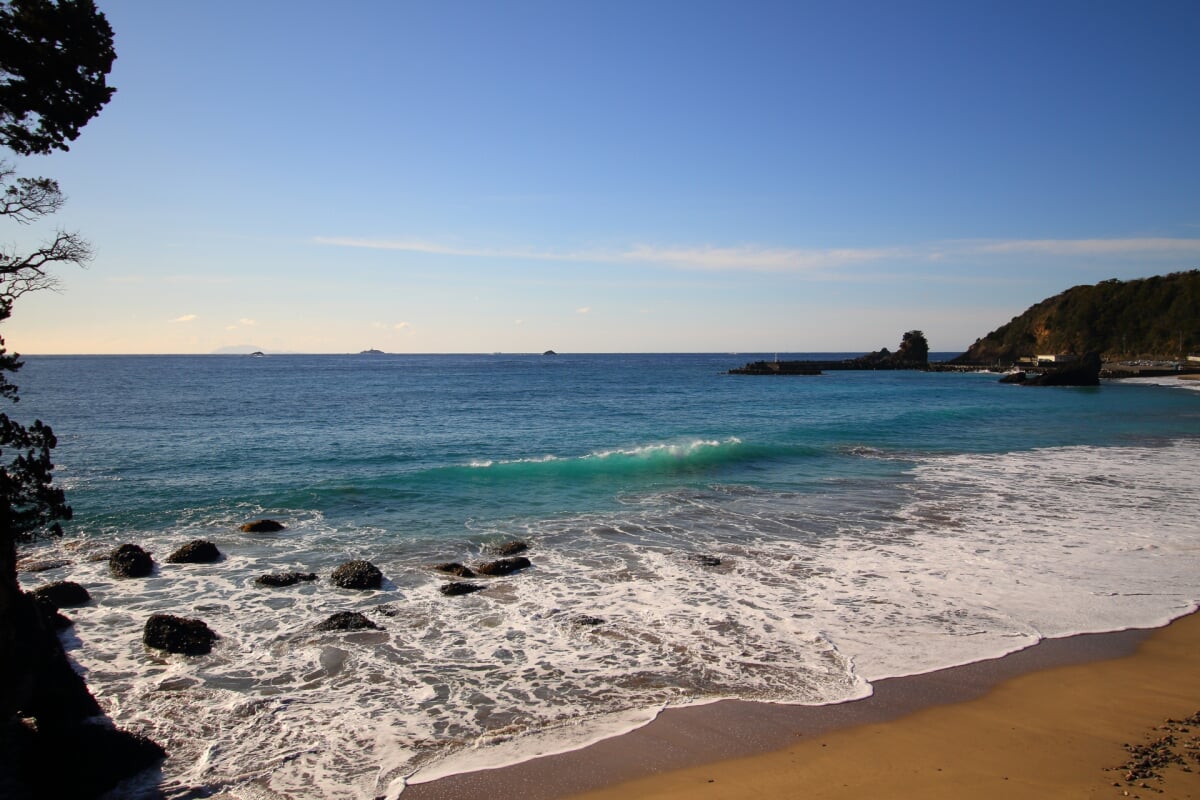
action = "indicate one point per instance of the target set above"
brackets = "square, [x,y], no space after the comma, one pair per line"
[28,747]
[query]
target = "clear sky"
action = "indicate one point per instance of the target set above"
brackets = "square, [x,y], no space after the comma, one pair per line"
[444,176]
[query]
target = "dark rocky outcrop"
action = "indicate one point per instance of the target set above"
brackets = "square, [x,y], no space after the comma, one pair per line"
[459,588]
[197,551]
[503,566]
[455,568]
[707,561]
[357,575]
[1084,372]
[509,548]
[913,353]
[347,621]
[178,635]
[55,619]
[263,526]
[1014,377]
[130,561]
[587,620]
[62,594]
[284,578]
[54,741]
[84,760]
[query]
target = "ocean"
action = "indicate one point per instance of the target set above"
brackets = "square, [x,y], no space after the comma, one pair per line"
[693,536]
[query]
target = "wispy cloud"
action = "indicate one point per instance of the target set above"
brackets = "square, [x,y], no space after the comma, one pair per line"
[247,322]
[1085,247]
[584,310]
[706,257]
[436,249]
[186,318]
[813,261]
[758,259]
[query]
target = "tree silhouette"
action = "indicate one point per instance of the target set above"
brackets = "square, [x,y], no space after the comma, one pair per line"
[54,57]
[54,61]
[914,349]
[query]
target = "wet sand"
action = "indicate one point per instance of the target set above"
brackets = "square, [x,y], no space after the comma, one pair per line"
[1046,721]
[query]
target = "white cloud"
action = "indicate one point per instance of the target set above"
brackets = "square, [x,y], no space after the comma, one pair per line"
[247,322]
[1086,247]
[186,318]
[813,261]
[401,326]
[584,310]
[704,257]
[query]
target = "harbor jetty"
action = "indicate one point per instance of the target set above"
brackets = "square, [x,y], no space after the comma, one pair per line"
[783,368]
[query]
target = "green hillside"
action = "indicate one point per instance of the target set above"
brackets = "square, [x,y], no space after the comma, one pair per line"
[1155,317]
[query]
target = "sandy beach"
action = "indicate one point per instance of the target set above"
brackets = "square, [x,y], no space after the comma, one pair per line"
[1061,732]
[1054,720]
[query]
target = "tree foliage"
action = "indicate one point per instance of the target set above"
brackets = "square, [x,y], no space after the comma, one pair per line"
[25,200]
[54,62]
[31,504]
[913,353]
[914,348]
[1157,317]
[54,57]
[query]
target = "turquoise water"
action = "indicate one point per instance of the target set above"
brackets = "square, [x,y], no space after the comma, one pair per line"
[867,524]
[403,441]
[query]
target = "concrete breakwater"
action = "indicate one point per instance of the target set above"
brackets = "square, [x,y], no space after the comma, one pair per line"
[784,368]
[815,367]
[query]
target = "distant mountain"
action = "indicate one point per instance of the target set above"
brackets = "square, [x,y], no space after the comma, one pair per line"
[1155,317]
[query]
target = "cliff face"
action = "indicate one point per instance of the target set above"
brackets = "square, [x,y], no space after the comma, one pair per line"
[1155,317]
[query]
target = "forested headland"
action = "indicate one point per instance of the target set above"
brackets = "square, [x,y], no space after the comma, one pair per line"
[1147,318]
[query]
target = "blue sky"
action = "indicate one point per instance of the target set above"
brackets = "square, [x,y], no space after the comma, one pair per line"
[617,176]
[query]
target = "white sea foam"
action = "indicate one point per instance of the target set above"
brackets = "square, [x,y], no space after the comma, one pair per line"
[1172,381]
[970,556]
[678,450]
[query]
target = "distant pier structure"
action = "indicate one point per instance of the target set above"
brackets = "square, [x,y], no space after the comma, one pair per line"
[785,367]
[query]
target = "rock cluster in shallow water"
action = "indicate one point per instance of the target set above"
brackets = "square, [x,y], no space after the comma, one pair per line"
[62,594]
[178,635]
[357,575]
[347,621]
[458,588]
[130,561]
[504,566]
[510,548]
[279,579]
[197,551]
[263,526]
